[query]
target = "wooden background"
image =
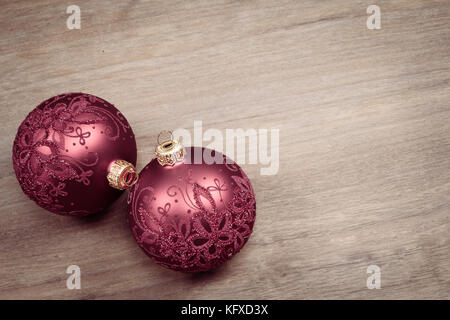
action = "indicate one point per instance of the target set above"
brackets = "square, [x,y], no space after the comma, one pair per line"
[364,141]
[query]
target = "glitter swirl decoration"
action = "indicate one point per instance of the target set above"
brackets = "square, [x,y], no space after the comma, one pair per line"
[63,150]
[192,217]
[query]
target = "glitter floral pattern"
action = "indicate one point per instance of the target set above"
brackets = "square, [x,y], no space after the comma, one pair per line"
[52,147]
[192,227]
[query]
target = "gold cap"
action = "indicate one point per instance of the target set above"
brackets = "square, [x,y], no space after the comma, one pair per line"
[168,151]
[122,175]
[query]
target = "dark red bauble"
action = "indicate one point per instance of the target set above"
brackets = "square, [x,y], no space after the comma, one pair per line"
[192,217]
[64,148]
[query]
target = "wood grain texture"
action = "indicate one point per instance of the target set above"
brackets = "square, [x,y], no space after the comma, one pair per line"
[364,119]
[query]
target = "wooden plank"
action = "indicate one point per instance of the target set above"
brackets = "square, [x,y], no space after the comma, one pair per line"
[364,141]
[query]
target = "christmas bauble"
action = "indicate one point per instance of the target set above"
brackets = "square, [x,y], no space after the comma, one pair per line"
[73,152]
[191,216]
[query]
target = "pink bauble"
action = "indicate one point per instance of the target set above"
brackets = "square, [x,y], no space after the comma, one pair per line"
[192,217]
[63,151]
